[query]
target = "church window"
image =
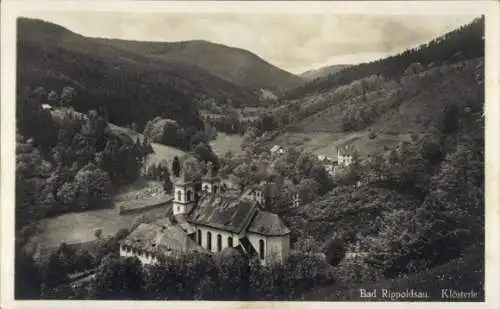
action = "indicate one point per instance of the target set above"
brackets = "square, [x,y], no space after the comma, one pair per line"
[209,241]
[189,196]
[199,237]
[219,242]
[179,195]
[261,249]
[230,242]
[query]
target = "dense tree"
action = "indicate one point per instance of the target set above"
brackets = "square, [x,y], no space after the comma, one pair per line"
[93,187]
[176,167]
[308,190]
[27,276]
[119,279]
[335,251]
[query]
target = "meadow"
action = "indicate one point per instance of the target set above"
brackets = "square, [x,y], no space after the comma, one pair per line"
[79,227]
[227,142]
[326,143]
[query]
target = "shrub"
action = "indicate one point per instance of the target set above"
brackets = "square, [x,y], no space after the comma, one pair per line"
[98,233]
[372,135]
[335,251]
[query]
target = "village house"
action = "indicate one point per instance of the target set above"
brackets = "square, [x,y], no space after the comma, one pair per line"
[345,155]
[265,193]
[47,107]
[277,151]
[210,220]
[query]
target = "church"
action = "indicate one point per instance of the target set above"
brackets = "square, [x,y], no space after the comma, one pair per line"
[210,218]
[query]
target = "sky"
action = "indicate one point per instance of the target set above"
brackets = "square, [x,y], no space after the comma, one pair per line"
[295,43]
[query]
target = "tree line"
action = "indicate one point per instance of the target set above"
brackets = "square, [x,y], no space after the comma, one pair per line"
[67,161]
[467,40]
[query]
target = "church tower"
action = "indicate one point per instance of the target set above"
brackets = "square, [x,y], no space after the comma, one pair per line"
[184,190]
[211,181]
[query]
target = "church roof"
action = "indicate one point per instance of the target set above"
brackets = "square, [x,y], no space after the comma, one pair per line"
[211,173]
[181,220]
[183,179]
[229,213]
[268,223]
[159,237]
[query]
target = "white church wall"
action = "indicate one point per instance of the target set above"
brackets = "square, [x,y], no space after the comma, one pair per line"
[278,247]
[214,232]
[255,241]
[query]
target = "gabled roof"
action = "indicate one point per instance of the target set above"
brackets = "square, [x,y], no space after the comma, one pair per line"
[181,220]
[269,189]
[346,150]
[275,148]
[211,174]
[268,223]
[229,213]
[160,237]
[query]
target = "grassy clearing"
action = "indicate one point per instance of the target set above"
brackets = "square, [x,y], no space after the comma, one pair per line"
[75,228]
[227,142]
[325,143]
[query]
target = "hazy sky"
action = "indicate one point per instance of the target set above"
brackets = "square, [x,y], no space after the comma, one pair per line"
[292,42]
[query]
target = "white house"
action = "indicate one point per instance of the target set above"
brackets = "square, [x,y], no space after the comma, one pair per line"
[277,151]
[47,107]
[345,155]
[212,220]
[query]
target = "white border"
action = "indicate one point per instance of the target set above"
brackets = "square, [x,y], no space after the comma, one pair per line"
[11,9]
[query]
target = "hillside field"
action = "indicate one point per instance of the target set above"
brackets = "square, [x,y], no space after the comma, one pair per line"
[326,143]
[227,142]
[79,227]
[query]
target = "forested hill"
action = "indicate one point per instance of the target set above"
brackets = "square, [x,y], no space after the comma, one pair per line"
[468,40]
[323,71]
[232,64]
[129,86]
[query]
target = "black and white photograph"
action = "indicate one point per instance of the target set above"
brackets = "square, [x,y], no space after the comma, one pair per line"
[203,155]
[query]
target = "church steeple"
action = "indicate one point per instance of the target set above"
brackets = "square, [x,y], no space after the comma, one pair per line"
[211,181]
[184,190]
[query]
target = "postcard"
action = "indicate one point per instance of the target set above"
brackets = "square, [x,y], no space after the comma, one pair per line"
[249,154]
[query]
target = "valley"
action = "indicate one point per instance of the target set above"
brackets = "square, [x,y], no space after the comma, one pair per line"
[195,170]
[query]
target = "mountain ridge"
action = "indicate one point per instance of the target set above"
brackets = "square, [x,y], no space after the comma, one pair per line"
[234,64]
[52,56]
[324,71]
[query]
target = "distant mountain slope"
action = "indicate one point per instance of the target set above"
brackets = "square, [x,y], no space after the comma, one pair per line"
[130,86]
[324,71]
[235,65]
[385,95]
[395,107]
[463,43]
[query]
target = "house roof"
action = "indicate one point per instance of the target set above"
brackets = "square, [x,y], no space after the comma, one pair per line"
[160,237]
[269,189]
[346,150]
[275,148]
[268,223]
[229,213]
[181,220]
